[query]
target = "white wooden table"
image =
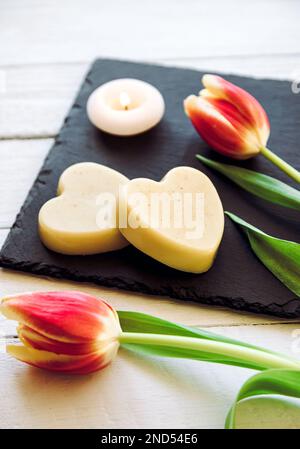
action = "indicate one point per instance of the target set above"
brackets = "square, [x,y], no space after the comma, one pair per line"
[45,49]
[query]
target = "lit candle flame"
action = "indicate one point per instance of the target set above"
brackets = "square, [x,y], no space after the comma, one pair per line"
[125,100]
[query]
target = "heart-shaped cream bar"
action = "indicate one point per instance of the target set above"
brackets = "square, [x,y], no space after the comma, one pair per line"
[178,221]
[83,218]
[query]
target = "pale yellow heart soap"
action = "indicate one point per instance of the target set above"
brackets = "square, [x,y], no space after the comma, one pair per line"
[83,218]
[178,221]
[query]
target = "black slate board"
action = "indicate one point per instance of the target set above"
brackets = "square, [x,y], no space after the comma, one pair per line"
[237,279]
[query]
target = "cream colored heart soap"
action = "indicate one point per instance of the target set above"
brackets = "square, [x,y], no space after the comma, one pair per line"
[83,218]
[178,221]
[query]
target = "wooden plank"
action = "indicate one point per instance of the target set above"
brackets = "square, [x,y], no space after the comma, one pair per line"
[3,235]
[136,391]
[20,163]
[180,311]
[79,30]
[34,99]
[259,66]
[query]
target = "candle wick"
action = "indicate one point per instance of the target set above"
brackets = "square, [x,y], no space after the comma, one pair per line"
[124,100]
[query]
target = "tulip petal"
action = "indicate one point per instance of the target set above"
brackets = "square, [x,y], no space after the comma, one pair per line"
[70,364]
[68,316]
[248,106]
[217,128]
[31,338]
[230,112]
[233,115]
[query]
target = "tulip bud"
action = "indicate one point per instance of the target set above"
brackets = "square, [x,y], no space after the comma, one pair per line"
[228,118]
[70,332]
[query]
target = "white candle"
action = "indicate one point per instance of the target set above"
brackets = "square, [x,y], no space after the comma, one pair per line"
[125,107]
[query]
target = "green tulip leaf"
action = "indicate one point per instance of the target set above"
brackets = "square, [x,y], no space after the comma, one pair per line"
[275,391]
[212,348]
[281,257]
[258,184]
[282,382]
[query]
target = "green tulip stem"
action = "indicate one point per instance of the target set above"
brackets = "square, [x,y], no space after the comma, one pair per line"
[262,359]
[284,166]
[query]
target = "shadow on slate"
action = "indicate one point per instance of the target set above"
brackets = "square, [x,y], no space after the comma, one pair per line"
[237,279]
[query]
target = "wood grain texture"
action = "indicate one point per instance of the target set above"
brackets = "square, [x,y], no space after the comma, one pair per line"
[20,162]
[34,100]
[136,392]
[80,30]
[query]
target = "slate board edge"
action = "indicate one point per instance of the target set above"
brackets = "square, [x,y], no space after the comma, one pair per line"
[122,284]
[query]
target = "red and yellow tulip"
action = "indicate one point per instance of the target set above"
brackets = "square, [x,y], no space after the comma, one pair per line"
[67,331]
[76,333]
[228,118]
[232,121]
